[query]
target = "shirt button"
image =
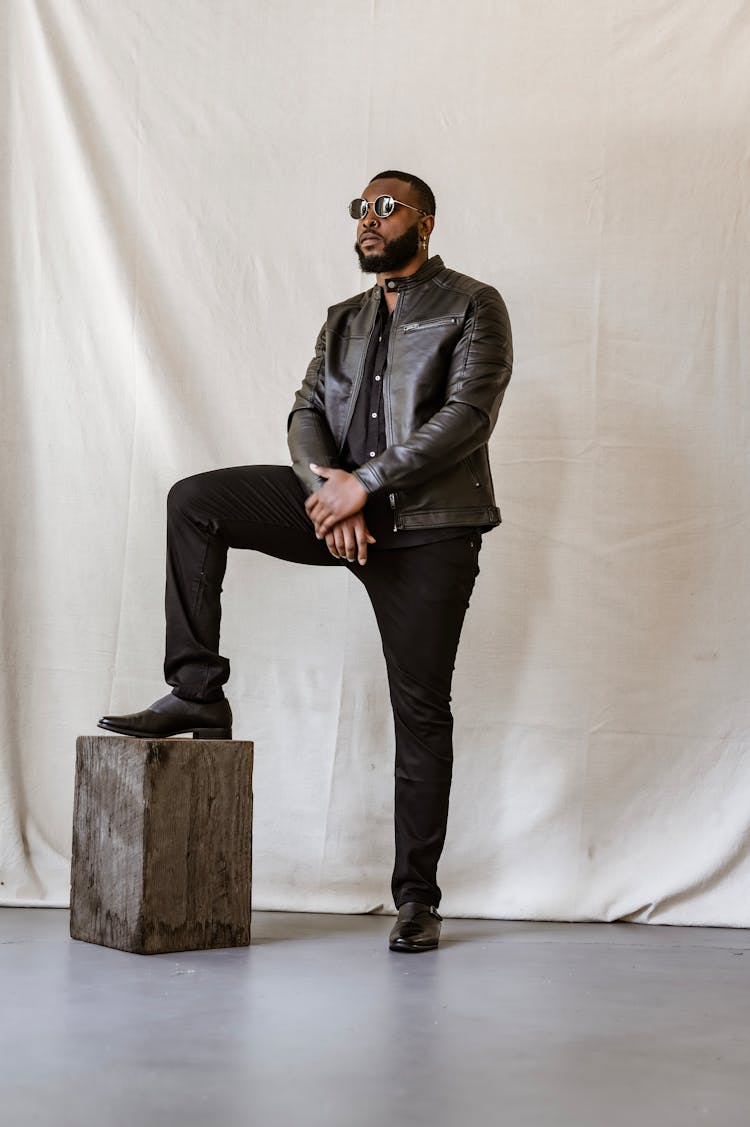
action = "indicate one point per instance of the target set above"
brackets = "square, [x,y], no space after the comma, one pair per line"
[372,453]
[377,379]
[374,414]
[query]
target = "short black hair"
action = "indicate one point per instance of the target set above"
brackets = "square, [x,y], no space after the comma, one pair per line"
[424,191]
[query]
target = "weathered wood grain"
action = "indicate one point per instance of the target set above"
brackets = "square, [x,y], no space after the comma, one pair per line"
[162,843]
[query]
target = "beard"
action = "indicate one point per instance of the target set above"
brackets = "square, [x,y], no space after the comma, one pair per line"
[394,256]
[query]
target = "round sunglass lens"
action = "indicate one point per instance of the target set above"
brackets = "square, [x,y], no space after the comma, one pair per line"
[358,209]
[383,206]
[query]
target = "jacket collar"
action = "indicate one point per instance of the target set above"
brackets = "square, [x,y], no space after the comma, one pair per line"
[426,271]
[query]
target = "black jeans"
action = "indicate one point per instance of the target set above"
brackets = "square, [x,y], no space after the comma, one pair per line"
[419,595]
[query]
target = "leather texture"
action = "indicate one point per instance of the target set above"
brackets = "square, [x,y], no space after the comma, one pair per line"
[450,357]
[172,716]
[416,929]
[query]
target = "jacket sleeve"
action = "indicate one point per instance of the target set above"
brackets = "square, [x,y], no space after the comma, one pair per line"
[308,434]
[478,375]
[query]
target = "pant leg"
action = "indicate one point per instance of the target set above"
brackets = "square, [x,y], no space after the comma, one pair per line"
[255,507]
[420,596]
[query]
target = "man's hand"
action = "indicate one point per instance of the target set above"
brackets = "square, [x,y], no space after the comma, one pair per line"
[340,497]
[348,539]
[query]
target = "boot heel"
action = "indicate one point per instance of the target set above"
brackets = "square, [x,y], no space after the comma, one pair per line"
[212,734]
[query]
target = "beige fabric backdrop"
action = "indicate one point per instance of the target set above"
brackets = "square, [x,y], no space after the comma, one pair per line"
[174,227]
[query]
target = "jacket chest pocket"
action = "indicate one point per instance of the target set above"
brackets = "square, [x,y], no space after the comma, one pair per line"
[431,323]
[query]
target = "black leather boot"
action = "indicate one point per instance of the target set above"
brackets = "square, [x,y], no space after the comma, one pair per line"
[172,716]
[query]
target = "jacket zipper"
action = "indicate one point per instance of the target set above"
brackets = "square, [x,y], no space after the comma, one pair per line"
[413,325]
[392,499]
[472,472]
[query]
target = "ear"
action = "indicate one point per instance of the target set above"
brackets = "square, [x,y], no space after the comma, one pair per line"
[426,225]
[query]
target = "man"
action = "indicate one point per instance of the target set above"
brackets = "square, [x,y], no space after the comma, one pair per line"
[388,436]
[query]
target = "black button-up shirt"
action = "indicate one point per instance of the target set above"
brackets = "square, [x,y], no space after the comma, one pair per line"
[366,439]
[366,435]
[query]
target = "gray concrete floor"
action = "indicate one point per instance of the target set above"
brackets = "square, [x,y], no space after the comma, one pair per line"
[317,1023]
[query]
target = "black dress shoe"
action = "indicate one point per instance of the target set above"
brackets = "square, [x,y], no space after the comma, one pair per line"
[416,929]
[171,716]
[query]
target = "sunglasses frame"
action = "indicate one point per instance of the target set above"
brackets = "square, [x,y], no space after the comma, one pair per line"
[374,205]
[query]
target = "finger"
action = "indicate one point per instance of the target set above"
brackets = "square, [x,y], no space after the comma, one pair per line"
[368,536]
[331,545]
[340,541]
[324,526]
[320,511]
[350,542]
[362,535]
[321,471]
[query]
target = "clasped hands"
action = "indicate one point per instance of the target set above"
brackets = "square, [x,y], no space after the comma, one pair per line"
[336,512]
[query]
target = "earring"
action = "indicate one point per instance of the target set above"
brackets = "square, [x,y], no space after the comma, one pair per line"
[423,243]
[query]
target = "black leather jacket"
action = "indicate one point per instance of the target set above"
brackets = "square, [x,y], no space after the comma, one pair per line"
[449,362]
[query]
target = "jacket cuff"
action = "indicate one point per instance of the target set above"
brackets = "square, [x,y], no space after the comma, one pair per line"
[367,478]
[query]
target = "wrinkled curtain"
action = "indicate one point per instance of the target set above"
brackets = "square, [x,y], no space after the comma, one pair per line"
[175,180]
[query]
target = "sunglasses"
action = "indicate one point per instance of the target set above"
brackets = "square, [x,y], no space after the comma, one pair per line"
[383,207]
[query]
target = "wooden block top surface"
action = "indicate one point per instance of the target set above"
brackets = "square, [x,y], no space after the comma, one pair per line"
[141,744]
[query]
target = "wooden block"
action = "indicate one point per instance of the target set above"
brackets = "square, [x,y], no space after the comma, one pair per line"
[162,843]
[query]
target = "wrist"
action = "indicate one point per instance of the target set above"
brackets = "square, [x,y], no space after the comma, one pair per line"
[356,474]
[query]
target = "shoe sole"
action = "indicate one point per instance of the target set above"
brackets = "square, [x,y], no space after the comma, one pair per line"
[402,949]
[197,733]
